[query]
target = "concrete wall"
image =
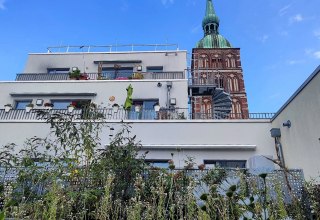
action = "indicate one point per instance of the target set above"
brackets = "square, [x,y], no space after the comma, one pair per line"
[142,89]
[203,140]
[170,60]
[301,142]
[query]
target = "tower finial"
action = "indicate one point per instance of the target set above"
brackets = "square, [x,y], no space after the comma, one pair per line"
[210,23]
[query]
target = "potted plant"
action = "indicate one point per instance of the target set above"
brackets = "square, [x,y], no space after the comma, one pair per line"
[137,76]
[29,107]
[84,76]
[71,108]
[48,105]
[75,74]
[115,107]
[93,105]
[7,107]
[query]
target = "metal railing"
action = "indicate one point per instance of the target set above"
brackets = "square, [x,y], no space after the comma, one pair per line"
[112,48]
[104,76]
[206,77]
[122,114]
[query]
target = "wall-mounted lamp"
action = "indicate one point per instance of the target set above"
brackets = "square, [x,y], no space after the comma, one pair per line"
[173,101]
[287,124]
[139,68]
[169,85]
[159,84]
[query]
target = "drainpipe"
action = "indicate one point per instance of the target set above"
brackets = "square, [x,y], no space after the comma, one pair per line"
[169,87]
[279,151]
[276,134]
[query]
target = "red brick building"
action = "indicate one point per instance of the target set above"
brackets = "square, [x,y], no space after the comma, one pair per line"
[217,88]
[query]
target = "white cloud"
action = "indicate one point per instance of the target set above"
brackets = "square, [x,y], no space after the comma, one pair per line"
[264,38]
[196,29]
[124,6]
[317,33]
[284,10]
[284,33]
[2,7]
[191,3]
[317,54]
[297,18]
[293,62]
[165,2]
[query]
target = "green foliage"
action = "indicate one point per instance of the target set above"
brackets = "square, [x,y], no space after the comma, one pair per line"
[71,176]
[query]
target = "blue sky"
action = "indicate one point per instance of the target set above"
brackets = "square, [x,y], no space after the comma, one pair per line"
[279,39]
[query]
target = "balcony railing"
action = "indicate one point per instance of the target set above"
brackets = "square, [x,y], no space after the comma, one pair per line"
[121,114]
[104,76]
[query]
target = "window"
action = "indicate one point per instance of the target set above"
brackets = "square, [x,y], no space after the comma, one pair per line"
[58,70]
[206,108]
[154,69]
[146,112]
[63,103]
[203,61]
[21,104]
[158,163]
[225,163]
[117,72]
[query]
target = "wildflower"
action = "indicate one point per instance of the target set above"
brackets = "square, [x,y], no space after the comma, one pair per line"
[228,187]
[246,215]
[261,171]
[201,192]
[249,200]
[265,214]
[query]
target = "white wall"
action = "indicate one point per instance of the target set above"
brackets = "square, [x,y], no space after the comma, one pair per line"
[39,62]
[142,89]
[214,140]
[301,142]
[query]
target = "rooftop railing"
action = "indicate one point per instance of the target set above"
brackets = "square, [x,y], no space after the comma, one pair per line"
[112,48]
[121,114]
[103,76]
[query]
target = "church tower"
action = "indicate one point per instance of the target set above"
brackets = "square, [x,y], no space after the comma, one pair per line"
[217,89]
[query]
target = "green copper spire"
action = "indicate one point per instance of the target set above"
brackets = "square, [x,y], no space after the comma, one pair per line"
[210,25]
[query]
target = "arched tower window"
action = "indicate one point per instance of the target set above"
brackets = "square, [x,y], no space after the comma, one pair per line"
[203,61]
[235,83]
[217,61]
[206,108]
[230,84]
[233,62]
[236,109]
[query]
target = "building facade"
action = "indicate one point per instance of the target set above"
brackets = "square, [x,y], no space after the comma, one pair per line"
[217,65]
[177,112]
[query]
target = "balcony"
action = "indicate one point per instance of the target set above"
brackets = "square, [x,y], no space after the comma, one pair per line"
[103,76]
[121,114]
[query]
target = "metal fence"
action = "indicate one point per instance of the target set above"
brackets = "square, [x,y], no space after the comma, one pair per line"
[293,185]
[104,76]
[122,114]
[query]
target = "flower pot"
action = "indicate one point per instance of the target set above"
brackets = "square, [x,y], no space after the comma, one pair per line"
[7,108]
[28,109]
[156,108]
[137,108]
[70,109]
[115,108]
